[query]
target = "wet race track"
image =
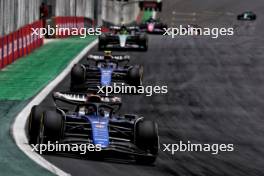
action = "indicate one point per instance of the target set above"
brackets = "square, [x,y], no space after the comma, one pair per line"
[215,94]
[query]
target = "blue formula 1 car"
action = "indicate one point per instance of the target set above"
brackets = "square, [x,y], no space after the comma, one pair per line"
[104,71]
[93,121]
[123,38]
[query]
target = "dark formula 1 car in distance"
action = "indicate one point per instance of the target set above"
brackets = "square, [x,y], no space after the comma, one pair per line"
[249,16]
[104,70]
[153,26]
[93,120]
[150,5]
[124,38]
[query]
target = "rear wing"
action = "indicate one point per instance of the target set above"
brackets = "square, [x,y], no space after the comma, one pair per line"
[129,28]
[151,5]
[83,99]
[133,28]
[115,58]
[114,28]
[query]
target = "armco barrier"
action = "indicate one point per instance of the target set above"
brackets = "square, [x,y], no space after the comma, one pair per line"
[15,45]
[10,48]
[19,43]
[5,50]
[23,41]
[1,52]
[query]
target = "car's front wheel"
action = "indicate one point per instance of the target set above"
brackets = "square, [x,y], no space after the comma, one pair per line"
[101,46]
[135,75]
[51,127]
[145,46]
[34,123]
[147,139]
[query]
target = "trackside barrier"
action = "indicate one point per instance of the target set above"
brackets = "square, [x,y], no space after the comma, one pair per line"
[10,48]
[5,50]
[15,45]
[1,52]
[68,23]
[19,43]
[23,41]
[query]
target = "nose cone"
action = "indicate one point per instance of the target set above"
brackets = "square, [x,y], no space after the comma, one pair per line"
[150,27]
[122,40]
[106,77]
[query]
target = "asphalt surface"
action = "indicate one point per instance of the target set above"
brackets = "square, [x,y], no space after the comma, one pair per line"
[215,94]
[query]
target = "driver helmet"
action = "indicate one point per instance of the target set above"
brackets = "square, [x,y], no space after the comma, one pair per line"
[102,112]
[90,110]
[108,55]
[123,29]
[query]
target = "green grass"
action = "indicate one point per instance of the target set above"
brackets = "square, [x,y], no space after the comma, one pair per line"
[13,162]
[28,75]
[18,83]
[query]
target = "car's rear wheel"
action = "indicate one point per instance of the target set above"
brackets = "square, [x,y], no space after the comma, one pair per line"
[142,26]
[147,139]
[135,75]
[159,8]
[101,46]
[101,43]
[78,74]
[145,46]
[143,42]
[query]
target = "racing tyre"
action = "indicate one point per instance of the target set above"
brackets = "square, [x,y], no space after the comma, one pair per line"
[100,46]
[144,42]
[101,42]
[160,6]
[135,75]
[34,123]
[78,74]
[145,46]
[142,26]
[147,139]
[51,127]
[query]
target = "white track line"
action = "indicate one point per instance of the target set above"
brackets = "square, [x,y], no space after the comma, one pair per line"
[19,126]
